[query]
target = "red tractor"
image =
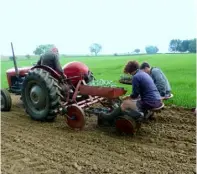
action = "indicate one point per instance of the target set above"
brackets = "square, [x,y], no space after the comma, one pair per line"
[45,94]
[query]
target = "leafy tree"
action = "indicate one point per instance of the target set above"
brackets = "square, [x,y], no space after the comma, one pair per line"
[175,45]
[41,49]
[151,49]
[95,48]
[184,46]
[192,46]
[137,50]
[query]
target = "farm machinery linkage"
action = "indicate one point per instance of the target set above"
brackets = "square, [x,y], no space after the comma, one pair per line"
[45,94]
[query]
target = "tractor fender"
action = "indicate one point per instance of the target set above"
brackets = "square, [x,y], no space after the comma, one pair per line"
[52,72]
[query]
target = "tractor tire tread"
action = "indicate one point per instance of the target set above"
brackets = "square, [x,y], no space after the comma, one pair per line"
[54,97]
[8,100]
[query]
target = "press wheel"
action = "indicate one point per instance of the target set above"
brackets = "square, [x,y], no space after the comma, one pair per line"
[127,125]
[75,117]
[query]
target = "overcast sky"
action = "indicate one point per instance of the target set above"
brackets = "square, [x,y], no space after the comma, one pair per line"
[72,25]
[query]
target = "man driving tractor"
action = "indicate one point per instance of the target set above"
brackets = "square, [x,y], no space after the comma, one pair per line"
[143,87]
[51,59]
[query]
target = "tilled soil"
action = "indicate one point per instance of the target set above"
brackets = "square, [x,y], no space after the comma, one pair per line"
[166,145]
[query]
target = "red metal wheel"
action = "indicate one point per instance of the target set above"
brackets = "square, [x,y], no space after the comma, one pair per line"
[127,125]
[75,117]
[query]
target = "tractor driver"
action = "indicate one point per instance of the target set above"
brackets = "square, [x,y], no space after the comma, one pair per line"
[51,59]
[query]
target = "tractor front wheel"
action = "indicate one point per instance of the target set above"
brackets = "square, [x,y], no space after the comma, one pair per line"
[40,95]
[6,101]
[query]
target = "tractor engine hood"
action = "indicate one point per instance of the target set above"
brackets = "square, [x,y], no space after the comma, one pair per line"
[22,70]
[75,69]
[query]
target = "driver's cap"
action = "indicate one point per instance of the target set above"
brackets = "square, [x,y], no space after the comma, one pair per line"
[54,50]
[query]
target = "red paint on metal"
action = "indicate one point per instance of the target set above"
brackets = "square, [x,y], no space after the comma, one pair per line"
[75,68]
[11,72]
[87,104]
[87,100]
[76,90]
[76,117]
[107,92]
[126,126]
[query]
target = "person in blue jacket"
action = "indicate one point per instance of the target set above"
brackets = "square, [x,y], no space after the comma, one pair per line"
[144,96]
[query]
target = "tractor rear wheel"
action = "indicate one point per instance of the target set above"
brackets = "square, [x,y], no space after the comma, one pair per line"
[6,101]
[40,95]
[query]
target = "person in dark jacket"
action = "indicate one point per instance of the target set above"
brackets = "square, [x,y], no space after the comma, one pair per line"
[159,79]
[51,59]
[145,94]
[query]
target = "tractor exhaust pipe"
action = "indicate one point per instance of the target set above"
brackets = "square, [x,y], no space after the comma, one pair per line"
[14,59]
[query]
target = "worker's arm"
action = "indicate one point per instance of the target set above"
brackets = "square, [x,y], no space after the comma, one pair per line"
[159,82]
[135,88]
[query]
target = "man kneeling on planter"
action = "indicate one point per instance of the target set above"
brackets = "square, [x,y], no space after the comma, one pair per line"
[143,87]
[159,79]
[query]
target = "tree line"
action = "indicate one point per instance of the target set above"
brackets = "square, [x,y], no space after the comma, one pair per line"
[175,45]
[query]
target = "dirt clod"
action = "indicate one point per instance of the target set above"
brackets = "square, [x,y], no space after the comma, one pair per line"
[181,146]
[152,140]
[77,166]
[95,167]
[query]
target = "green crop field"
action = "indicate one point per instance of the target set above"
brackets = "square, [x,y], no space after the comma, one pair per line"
[179,68]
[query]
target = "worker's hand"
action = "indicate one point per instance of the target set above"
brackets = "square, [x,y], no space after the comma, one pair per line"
[127,98]
[128,104]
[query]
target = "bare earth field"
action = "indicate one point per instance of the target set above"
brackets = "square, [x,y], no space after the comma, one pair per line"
[166,145]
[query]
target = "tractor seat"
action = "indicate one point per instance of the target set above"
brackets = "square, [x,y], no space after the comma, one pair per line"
[159,108]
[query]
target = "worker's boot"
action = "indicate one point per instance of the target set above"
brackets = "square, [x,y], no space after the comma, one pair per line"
[136,115]
[109,118]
